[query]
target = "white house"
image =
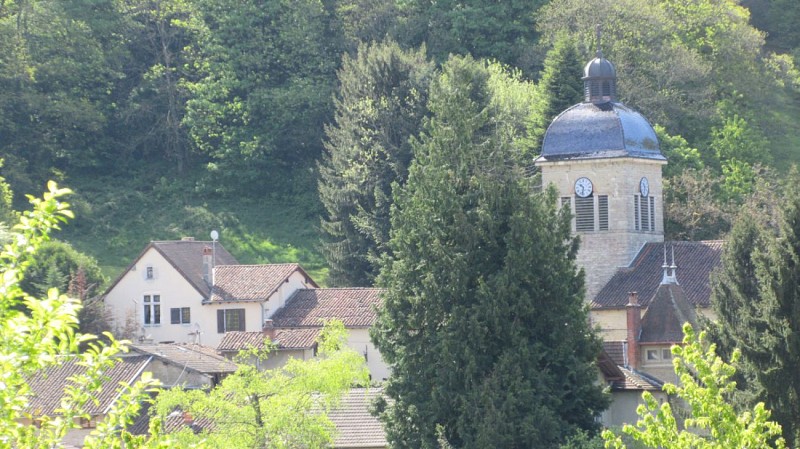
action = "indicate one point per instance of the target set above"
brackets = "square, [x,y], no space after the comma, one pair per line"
[190,291]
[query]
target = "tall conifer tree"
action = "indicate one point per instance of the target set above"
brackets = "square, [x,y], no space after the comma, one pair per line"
[484,323]
[756,298]
[380,104]
[560,86]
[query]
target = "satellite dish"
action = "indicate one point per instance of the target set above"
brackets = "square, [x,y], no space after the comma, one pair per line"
[214,235]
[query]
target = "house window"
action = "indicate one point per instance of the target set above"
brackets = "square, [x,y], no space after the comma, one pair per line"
[152,310]
[666,354]
[180,315]
[149,273]
[652,354]
[644,213]
[229,320]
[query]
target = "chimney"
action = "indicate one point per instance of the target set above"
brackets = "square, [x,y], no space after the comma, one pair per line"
[268,329]
[208,265]
[634,312]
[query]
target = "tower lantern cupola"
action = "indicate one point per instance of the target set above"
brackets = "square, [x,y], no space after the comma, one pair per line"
[599,78]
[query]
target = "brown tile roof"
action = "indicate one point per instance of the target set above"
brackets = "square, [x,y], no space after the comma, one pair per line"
[695,260]
[251,282]
[636,381]
[615,350]
[355,426]
[664,319]
[47,386]
[284,338]
[186,256]
[356,307]
[201,359]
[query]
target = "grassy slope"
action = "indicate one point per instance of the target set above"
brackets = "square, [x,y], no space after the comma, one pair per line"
[116,216]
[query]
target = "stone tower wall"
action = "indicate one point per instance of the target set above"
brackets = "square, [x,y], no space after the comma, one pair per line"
[603,252]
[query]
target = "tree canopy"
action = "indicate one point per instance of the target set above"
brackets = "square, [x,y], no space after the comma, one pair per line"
[756,301]
[481,341]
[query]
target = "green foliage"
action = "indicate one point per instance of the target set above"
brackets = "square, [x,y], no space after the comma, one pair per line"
[705,387]
[483,323]
[43,336]
[484,29]
[267,73]
[278,408]
[60,262]
[380,105]
[756,300]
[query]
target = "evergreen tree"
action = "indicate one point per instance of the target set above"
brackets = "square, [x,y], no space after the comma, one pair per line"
[756,298]
[483,323]
[381,103]
[560,86]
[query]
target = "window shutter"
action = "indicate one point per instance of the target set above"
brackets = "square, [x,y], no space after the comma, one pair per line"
[220,321]
[241,320]
[636,223]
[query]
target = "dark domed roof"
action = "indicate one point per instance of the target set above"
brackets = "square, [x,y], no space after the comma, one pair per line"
[599,67]
[600,130]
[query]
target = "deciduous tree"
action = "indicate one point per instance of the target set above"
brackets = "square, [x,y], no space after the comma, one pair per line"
[713,422]
[279,408]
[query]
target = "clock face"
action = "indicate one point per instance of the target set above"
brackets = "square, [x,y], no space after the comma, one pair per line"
[644,187]
[583,187]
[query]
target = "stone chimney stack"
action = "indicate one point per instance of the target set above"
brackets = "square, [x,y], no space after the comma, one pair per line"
[208,265]
[634,312]
[268,329]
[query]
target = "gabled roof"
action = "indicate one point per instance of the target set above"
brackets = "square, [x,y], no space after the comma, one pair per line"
[284,339]
[356,307]
[200,359]
[251,283]
[695,260]
[47,386]
[664,319]
[186,256]
[355,425]
[636,381]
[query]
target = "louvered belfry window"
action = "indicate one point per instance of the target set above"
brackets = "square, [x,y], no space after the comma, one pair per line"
[584,214]
[591,213]
[644,213]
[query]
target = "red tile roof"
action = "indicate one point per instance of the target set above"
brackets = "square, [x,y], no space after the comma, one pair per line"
[356,307]
[355,425]
[284,338]
[695,261]
[201,359]
[637,381]
[47,386]
[244,283]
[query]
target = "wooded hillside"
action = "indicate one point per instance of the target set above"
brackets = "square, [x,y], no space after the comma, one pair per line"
[175,117]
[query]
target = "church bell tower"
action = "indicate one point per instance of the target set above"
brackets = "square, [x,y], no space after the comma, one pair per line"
[604,159]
